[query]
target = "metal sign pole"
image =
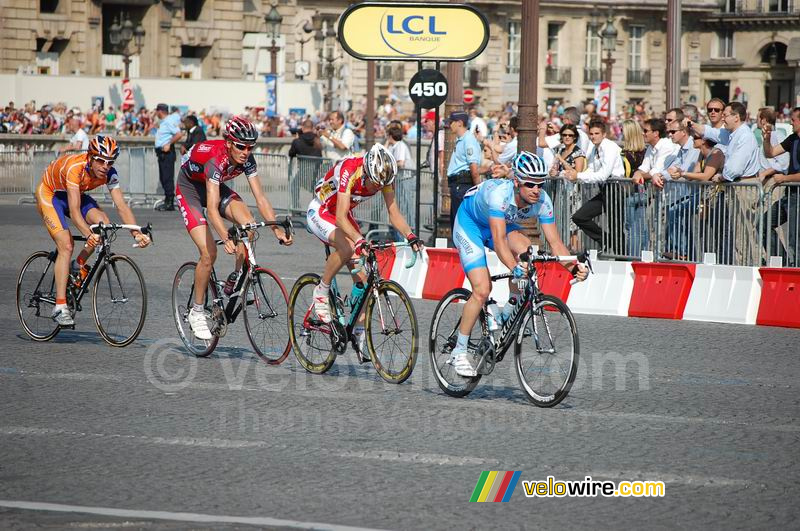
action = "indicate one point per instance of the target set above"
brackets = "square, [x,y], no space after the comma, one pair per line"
[435,162]
[419,161]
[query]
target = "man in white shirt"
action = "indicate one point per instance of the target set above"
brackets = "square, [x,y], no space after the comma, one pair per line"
[337,142]
[604,162]
[477,125]
[659,149]
[79,140]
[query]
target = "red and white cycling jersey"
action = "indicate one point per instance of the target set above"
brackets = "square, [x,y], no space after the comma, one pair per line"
[346,176]
[208,161]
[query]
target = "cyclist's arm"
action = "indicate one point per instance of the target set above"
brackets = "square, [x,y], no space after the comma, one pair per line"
[342,212]
[125,212]
[396,217]
[74,202]
[262,203]
[212,209]
[498,227]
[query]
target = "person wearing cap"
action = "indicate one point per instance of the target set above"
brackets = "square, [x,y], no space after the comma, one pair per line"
[169,132]
[462,172]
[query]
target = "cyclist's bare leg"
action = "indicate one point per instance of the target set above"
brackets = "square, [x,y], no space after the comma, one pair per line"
[65,247]
[343,249]
[93,216]
[202,238]
[237,212]
[519,244]
[481,288]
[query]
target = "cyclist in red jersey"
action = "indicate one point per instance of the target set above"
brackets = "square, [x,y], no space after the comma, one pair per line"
[330,218]
[201,184]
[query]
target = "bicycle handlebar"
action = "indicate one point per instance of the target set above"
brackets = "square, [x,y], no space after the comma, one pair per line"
[236,232]
[582,258]
[373,246]
[101,227]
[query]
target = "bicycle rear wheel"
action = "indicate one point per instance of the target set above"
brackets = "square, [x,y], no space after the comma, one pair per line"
[310,338]
[393,335]
[182,301]
[36,297]
[443,336]
[546,352]
[266,309]
[119,301]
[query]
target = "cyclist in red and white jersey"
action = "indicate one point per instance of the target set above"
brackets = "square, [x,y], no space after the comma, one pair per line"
[330,218]
[201,184]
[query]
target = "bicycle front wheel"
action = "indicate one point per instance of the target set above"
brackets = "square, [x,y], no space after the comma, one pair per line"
[443,336]
[266,309]
[546,352]
[36,297]
[119,301]
[392,332]
[310,338]
[182,302]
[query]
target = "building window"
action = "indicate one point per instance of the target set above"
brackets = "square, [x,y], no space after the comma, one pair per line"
[48,6]
[191,61]
[193,9]
[729,6]
[778,6]
[256,55]
[635,48]
[512,60]
[591,66]
[328,50]
[725,44]
[552,44]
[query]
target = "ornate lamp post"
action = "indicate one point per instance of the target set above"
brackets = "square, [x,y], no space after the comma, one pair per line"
[273,20]
[322,37]
[121,35]
[609,36]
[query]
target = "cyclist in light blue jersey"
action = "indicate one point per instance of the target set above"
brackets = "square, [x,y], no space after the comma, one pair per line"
[487,218]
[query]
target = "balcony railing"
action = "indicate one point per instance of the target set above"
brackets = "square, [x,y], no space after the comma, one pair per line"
[557,76]
[638,77]
[389,72]
[592,75]
[743,8]
[684,78]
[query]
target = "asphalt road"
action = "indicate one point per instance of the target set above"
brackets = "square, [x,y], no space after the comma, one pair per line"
[710,409]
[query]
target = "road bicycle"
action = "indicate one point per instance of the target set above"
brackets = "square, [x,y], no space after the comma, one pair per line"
[119,296]
[392,334]
[541,328]
[258,291]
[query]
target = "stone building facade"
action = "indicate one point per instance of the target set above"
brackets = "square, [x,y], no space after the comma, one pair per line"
[745,49]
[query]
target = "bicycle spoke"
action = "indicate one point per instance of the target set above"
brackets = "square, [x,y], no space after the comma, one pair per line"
[120,301]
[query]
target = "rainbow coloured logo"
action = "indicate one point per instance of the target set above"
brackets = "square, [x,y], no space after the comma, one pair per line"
[494,486]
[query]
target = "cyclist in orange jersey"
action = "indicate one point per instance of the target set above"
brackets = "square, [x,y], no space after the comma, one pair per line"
[61,195]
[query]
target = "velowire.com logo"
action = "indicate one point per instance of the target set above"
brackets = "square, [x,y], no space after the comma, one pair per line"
[494,486]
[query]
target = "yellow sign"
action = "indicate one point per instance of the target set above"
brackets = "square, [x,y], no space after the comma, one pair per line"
[413,32]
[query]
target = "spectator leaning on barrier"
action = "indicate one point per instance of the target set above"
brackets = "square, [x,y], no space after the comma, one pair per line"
[194,133]
[675,114]
[773,165]
[681,200]
[169,132]
[569,156]
[395,145]
[714,109]
[787,208]
[659,149]
[462,172]
[604,162]
[549,137]
[337,142]
[79,139]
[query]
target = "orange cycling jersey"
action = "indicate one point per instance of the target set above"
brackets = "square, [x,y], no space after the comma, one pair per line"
[346,176]
[73,170]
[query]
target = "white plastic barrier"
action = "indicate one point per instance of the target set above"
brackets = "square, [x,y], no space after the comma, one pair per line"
[412,279]
[724,294]
[607,291]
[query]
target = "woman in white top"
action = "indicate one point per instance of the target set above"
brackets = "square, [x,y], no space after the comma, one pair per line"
[397,146]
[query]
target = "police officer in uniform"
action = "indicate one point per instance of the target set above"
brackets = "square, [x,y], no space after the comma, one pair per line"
[462,173]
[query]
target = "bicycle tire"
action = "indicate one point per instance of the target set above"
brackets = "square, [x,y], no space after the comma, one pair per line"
[441,343]
[43,328]
[112,266]
[271,307]
[546,309]
[299,332]
[384,366]
[180,310]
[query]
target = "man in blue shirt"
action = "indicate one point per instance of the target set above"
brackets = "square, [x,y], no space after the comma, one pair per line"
[462,173]
[682,199]
[169,132]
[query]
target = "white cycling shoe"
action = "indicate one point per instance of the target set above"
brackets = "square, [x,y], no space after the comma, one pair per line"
[462,365]
[63,317]
[322,307]
[197,321]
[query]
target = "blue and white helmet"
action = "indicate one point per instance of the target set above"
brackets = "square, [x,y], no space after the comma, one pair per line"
[528,166]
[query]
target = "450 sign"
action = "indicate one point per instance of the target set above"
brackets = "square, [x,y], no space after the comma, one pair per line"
[428,88]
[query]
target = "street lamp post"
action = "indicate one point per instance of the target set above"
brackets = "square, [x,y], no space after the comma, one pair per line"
[121,35]
[273,20]
[326,59]
[609,37]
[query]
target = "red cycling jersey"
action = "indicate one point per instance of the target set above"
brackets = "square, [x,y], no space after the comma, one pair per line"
[346,176]
[208,161]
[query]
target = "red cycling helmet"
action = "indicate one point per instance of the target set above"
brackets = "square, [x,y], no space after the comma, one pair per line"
[239,129]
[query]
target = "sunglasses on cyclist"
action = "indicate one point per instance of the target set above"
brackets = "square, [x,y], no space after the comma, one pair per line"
[530,185]
[243,147]
[103,161]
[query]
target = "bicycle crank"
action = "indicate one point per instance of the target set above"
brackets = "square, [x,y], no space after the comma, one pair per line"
[486,351]
[219,321]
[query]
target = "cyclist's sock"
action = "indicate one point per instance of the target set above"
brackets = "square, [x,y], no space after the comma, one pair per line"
[198,307]
[358,330]
[60,305]
[324,287]
[462,342]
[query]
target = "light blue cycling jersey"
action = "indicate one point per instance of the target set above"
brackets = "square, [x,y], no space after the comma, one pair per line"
[492,199]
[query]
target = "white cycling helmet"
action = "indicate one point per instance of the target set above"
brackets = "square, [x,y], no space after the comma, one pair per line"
[528,166]
[380,166]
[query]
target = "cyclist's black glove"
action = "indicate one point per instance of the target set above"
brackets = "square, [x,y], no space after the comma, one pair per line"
[414,242]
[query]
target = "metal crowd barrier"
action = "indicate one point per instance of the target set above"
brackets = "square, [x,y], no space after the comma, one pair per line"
[781,223]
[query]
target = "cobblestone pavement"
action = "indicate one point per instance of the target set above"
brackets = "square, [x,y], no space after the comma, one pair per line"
[710,409]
